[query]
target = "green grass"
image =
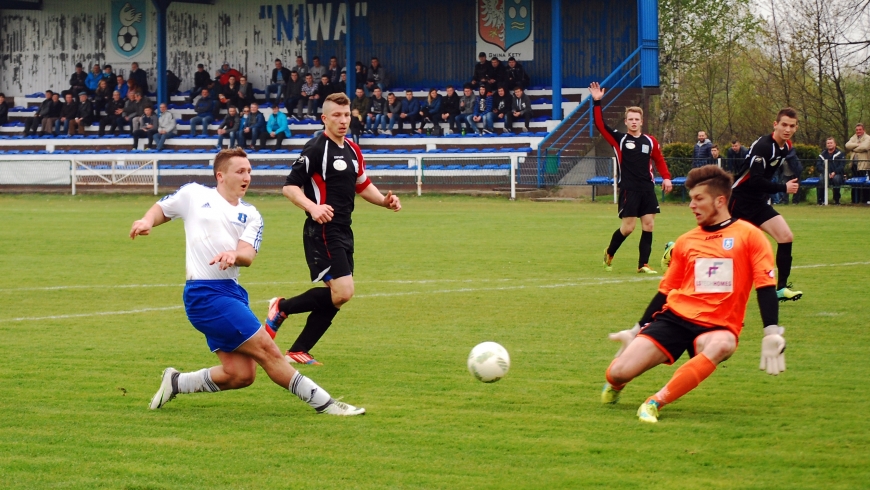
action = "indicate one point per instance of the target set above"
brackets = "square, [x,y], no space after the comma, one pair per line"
[432,281]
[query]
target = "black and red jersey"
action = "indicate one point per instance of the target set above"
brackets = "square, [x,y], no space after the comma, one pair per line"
[635,155]
[753,180]
[330,174]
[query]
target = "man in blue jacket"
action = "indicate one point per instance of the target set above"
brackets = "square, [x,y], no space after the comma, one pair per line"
[93,79]
[701,154]
[276,127]
[410,112]
[204,108]
[254,125]
[836,170]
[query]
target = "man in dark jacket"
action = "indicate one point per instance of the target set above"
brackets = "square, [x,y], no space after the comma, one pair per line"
[501,104]
[521,107]
[377,76]
[67,114]
[836,161]
[32,123]
[77,81]
[480,71]
[173,83]
[293,96]
[204,109]
[254,125]
[245,94]
[84,115]
[450,107]
[280,76]
[4,109]
[496,74]
[147,128]
[515,75]
[114,115]
[735,156]
[701,152]
[201,80]
[410,112]
[140,77]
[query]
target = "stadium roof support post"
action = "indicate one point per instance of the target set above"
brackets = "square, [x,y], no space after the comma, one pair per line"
[557,58]
[161,6]
[648,36]
[349,62]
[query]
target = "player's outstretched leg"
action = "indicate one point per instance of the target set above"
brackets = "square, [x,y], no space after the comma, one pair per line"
[174,383]
[684,380]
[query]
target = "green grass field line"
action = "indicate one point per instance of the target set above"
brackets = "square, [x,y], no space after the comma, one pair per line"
[446,273]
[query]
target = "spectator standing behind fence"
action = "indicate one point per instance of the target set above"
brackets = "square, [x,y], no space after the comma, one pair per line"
[480,71]
[67,114]
[204,113]
[859,145]
[114,115]
[430,110]
[521,107]
[450,108]
[165,127]
[280,76]
[701,152]
[229,128]
[301,68]
[715,156]
[735,155]
[836,160]
[140,77]
[377,76]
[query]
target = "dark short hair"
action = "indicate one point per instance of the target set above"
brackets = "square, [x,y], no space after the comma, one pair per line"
[714,146]
[787,112]
[277,60]
[333,58]
[200,65]
[734,142]
[222,159]
[451,86]
[717,180]
[409,91]
[829,138]
[375,58]
[316,58]
[512,59]
[391,94]
[467,85]
[481,54]
[78,65]
[2,94]
[861,125]
[107,66]
[495,58]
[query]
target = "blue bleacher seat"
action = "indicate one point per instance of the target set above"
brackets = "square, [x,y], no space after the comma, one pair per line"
[202,136]
[542,100]
[417,150]
[78,136]
[380,167]
[813,181]
[89,152]
[121,150]
[381,151]
[541,133]
[452,150]
[182,151]
[73,152]
[42,152]
[200,150]
[265,150]
[400,151]
[400,167]
[27,152]
[104,151]
[490,166]
[470,150]
[198,165]
[857,181]
[435,150]
[678,181]
[262,167]
[436,167]
[539,119]
[402,135]
[600,181]
[454,167]
[282,151]
[471,167]
[281,167]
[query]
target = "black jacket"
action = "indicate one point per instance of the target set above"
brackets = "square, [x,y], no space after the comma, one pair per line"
[44,109]
[173,83]
[141,79]
[85,111]
[77,82]
[516,76]
[70,110]
[201,79]
[480,72]
[285,73]
[4,113]
[112,106]
[450,105]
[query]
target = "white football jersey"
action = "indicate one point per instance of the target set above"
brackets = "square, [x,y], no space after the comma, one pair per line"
[211,226]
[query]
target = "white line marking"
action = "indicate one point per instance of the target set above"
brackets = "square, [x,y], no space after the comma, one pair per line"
[84,315]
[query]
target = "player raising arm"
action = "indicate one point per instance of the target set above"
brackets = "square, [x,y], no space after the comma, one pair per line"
[323,182]
[223,233]
[753,186]
[701,301]
[635,155]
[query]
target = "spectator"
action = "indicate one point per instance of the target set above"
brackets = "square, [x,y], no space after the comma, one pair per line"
[222,103]
[515,75]
[501,104]
[132,87]
[121,86]
[4,109]
[701,151]
[141,103]
[341,86]
[131,110]
[77,81]
[225,68]
[165,127]
[293,96]
[201,81]
[204,109]
[317,70]
[301,68]
[255,124]
[410,112]
[324,90]
[109,74]
[173,83]
[394,108]
[735,155]
[114,115]
[496,74]
[67,113]
[450,108]
[309,95]
[361,104]
[483,110]
[229,127]
[789,170]
[231,92]
[93,79]
[521,107]
[836,160]
[33,122]
[377,76]
[140,77]
[243,122]
[714,155]
[356,125]
[362,75]
[466,109]
[859,145]
[430,110]
[481,69]
[334,71]
[280,75]
[102,96]
[276,127]
[377,111]
[245,94]
[84,115]
[53,114]
[147,128]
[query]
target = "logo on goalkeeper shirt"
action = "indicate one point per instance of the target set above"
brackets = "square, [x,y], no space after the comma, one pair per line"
[728,243]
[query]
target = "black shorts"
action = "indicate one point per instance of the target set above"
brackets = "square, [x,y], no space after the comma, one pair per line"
[328,250]
[751,211]
[674,335]
[634,204]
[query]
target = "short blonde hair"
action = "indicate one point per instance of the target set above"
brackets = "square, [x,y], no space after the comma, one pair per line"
[222,160]
[634,108]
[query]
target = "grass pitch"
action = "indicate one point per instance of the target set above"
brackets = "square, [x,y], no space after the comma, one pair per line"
[89,320]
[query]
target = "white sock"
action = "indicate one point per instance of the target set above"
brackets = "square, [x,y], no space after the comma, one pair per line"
[196,381]
[309,392]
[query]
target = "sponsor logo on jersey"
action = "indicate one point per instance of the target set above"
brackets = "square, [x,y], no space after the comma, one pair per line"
[206,205]
[714,275]
[728,243]
[713,237]
[243,217]
[339,165]
[629,145]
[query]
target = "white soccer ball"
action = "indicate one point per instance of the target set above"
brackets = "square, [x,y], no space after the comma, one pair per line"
[128,38]
[488,362]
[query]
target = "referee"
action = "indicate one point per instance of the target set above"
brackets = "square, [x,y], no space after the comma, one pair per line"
[635,154]
[323,182]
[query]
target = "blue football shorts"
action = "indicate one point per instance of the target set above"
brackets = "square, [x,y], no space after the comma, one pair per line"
[219,309]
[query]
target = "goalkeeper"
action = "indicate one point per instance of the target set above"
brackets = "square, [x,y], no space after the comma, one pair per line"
[701,301]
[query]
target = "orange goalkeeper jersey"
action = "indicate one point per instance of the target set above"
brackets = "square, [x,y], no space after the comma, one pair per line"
[712,272]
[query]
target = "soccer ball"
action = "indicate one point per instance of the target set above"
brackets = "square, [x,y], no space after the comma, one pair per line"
[666,258]
[128,38]
[488,362]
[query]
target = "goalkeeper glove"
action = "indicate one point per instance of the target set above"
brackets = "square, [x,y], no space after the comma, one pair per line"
[773,350]
[624,336]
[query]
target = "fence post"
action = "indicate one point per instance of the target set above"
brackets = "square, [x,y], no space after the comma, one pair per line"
[514,163]
[719,162]
[615,192]
[420,177]
[73,176]
[826,182]
[154,167]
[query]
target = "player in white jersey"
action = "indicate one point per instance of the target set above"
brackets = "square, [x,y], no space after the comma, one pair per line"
[224,233]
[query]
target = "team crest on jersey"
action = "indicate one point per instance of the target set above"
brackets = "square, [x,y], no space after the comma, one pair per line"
[629,145]
[243,217]
[728,243]
[339,165]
